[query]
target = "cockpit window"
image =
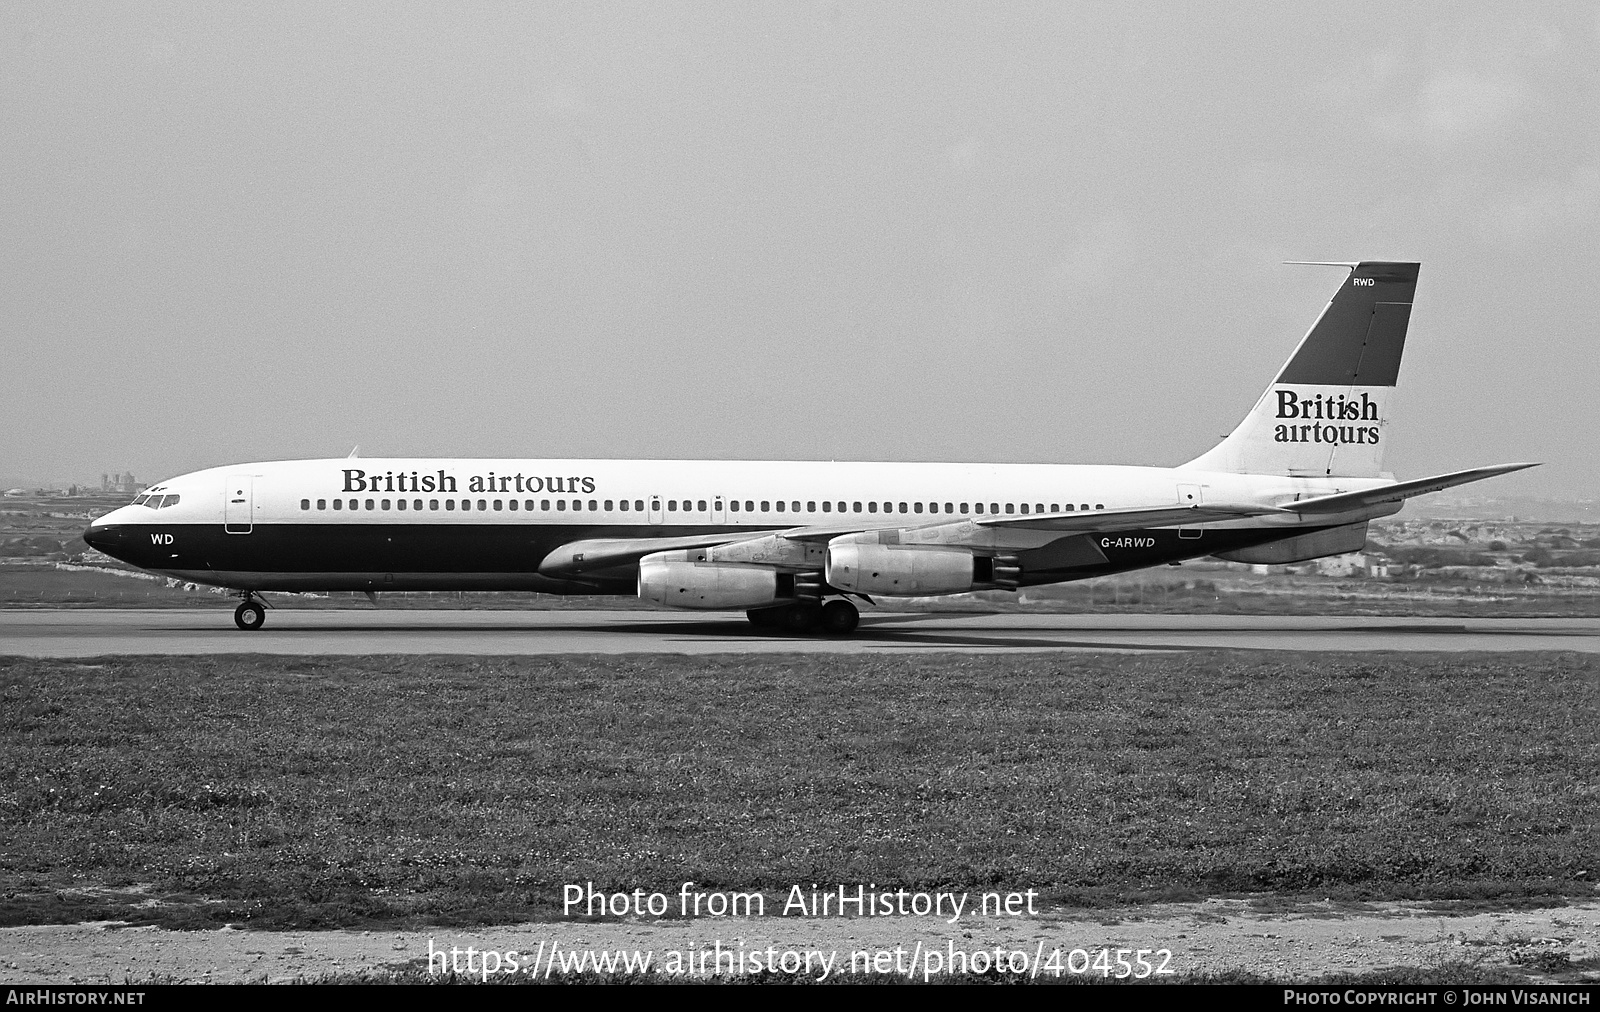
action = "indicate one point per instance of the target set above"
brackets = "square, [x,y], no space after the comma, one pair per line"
[142,499]
[171,500]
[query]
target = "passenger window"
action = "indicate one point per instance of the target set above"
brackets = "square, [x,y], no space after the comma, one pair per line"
[1083,506]
[466,504]
[1010,508]
[512,505]
[780,505]
[917,505]
[400,503]
[369,504]
[811,507]
[1038,507]
[841,507]
[1055,507]
[305,504]
[386,504]
[994,507]
[322,504]
[827,507]
[796,505]
[949,507]
[608,505]
[577,504]
[527,504]
[338,504]
[433,504]
[416,504]
[672,505]
[1070,508]
[701,506]
[544,504]
[857,508]
[1099,505]
[594,505]
[638,504]
[1024,509]
[749,505]
[624,505]
[482,505]
[497,504]
[964,508]
[872,507]
[902,507]
[449,504]
[733,504]
[561,505]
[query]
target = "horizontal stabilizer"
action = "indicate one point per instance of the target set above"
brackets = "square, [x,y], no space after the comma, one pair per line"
[1096,521]
[1400,490]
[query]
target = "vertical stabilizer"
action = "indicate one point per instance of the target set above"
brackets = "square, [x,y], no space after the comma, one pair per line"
[1327,413]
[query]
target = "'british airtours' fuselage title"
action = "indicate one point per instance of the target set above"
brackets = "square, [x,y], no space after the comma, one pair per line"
[796,544]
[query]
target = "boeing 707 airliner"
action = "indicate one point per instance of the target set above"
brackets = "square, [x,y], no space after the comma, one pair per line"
[796,543]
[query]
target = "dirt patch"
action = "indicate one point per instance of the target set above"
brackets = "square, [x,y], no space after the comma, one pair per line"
[1300,942]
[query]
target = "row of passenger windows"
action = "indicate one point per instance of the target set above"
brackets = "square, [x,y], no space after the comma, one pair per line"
[688,506]
[482,505]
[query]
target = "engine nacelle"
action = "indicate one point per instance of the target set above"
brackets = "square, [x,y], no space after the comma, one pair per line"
[899,569]
[707,585]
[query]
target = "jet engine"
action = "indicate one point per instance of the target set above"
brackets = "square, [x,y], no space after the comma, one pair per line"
[907,569]
[709,585]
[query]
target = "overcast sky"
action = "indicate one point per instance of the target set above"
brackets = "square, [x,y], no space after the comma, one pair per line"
[1008,232]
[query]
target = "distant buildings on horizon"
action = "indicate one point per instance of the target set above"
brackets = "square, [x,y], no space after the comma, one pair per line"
[125,484]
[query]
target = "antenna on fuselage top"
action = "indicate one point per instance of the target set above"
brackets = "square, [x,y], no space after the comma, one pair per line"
[355,451]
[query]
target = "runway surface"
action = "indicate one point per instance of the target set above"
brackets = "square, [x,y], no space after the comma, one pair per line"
[89,633]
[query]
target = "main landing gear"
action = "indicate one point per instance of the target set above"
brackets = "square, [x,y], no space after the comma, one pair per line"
[836,618]
[249,616]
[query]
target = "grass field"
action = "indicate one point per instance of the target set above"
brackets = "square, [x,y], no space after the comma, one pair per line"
[452,790]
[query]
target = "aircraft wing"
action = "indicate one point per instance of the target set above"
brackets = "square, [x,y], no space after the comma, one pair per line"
[1399,490]
[599,555]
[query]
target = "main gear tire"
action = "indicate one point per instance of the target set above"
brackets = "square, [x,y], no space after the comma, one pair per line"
[840,618]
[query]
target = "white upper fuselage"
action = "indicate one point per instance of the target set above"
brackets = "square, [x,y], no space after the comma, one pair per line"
[668,493]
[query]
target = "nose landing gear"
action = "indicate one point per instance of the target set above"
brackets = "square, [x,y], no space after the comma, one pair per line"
[249,616]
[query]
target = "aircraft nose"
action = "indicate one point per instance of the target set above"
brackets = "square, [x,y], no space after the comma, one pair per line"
[102,537]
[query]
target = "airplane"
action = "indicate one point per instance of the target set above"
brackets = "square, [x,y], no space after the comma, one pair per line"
[796,543]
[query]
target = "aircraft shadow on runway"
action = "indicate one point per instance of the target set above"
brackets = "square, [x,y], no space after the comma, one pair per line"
[886,631]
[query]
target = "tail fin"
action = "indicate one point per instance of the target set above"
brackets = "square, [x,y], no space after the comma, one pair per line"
[1327,413]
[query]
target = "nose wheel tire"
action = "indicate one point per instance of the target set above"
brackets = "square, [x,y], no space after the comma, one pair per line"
[249,616]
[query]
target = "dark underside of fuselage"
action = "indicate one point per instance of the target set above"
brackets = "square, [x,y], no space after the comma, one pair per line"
[322,557]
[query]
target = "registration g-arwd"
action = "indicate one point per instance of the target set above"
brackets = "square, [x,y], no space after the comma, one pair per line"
[797,543]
